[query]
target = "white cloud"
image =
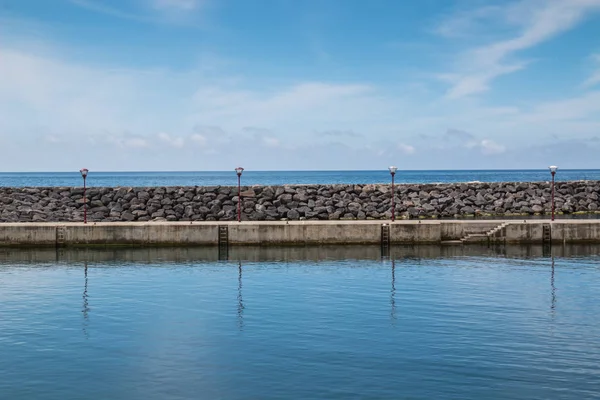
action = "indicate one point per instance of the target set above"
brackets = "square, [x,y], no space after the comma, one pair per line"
[45,95]
[467,84]
[539,21]
[406,149]
[271,141]
[260,135]
[198,139]
[136,142]
[487,146]
[490,147]
[579,108]
[132,142]
[310,104]
[174,141]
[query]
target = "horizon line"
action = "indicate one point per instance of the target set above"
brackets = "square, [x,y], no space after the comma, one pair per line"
[299,170]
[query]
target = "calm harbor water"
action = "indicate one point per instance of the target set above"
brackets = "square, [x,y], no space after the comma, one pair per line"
[14,179]
[335,323]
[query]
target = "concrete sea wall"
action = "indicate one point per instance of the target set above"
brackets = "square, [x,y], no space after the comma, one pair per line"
[298,233]
[296,202]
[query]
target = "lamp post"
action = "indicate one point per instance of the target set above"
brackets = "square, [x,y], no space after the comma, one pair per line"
[393,173]
[553,169]
[239,171]
[84,173]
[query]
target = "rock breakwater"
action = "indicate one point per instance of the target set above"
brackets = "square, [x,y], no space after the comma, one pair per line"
[296,202]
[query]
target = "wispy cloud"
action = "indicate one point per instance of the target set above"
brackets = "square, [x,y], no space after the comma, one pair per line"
[456,140]
[466,22]
[580,108]
[262,136]
[487,146]
[99,7]
[128,141]
[181,5]
[537,21]
[198,139]
[594,79]
[49,98]
[147,11]
[406,149]
[169,140]
[270,141]
[339,133]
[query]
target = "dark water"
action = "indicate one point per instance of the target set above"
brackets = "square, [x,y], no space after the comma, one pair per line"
[335,323]
[228,178]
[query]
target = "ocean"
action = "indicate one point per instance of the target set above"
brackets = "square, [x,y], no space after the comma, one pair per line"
[299,324]
[229,178]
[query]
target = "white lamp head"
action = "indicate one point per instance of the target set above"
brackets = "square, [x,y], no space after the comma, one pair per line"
[553,168]
[84,172]
[239,171]
[393,169]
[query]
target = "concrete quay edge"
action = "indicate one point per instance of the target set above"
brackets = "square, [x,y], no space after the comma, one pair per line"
[265,233]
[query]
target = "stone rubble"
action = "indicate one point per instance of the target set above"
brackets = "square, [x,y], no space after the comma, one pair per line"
[296,202]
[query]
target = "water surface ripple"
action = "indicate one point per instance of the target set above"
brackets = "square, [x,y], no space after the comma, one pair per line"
[481,327]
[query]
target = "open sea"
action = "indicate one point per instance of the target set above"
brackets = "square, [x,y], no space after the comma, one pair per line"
[229,178]
[300,323]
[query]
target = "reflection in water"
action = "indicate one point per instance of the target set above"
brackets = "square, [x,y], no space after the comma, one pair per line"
[240,308]
[291,253]
[85,308]
[467,326]
[393,293]
[553,290]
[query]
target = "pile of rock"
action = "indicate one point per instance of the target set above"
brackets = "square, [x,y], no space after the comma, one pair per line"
[310,202]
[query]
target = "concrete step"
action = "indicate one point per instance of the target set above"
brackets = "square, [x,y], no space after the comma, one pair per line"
[497,229]
[475,237]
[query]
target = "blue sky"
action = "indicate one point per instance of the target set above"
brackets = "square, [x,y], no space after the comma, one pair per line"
[298,84]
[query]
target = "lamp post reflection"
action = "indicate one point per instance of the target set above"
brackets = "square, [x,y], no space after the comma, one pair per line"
[85,308]
[240,307]
[552,290]
[393,292]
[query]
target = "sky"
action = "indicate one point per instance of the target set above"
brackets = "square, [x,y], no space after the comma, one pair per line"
[151,85]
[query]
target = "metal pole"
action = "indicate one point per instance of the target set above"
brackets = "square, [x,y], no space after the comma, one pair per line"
[393,203]
[553,173]
[239,198]
[84,203]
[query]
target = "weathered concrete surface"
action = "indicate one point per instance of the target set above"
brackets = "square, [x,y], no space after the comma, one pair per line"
[297,233]
[28,234]
[560,232]
[338,232]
